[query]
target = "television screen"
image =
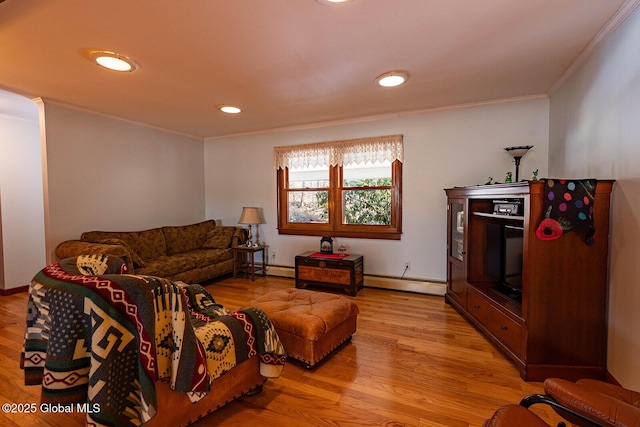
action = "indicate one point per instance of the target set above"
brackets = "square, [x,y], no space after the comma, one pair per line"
[494,251]
[513,244]
[504,258]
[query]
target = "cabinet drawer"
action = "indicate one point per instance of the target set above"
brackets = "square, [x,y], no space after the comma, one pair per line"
[508,331]
[478,306]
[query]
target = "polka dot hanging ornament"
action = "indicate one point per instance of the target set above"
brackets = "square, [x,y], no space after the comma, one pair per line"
[568,206]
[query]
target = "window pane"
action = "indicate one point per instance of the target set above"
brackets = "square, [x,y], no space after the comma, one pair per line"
[370,207]
[367,175]
[309,177]
[367,201]
[308,206]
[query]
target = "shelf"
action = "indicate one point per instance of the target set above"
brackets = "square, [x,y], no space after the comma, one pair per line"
[492,215]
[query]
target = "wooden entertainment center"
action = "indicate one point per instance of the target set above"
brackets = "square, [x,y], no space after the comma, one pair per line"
[557,325]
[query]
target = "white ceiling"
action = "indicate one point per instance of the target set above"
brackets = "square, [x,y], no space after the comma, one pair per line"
[291,63]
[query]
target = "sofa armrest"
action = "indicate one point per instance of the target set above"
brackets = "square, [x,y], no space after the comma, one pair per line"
[239,237]
[72,248]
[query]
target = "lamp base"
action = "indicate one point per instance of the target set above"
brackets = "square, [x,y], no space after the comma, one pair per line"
[249,237]
[517,159]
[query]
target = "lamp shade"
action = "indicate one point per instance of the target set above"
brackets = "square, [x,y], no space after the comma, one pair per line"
[250,215]
[518,151]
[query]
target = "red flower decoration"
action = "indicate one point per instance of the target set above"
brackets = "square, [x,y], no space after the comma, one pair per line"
[549,229]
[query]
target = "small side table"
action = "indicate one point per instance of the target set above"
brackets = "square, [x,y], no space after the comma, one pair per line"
[246,263]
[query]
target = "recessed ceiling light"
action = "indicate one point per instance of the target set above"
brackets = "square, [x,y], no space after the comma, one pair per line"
[335,2]
[114,61]
[229,109]
[392,78]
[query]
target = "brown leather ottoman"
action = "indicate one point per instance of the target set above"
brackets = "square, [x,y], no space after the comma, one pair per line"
[310,324]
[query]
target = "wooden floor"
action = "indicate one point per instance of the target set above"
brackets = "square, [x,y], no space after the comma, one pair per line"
[414,361]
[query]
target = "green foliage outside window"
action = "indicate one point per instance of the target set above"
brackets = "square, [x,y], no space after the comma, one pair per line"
[363,204]
[305,208]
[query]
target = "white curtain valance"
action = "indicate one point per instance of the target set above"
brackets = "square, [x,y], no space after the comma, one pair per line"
[338,153]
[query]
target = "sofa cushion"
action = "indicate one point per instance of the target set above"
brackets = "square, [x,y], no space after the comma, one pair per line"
[186,238]
[148,244]
[137,261]
[206,257]
[219,237]
[74,248]
[165,266]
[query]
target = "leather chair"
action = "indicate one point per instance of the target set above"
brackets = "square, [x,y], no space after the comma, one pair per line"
[513,415]
[584,403]
[605,404]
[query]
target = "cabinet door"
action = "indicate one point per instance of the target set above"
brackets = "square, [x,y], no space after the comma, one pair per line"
[456,250]
[457,228]
[457,285]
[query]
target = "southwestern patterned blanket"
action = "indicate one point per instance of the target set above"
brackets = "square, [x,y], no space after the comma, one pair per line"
[97,335]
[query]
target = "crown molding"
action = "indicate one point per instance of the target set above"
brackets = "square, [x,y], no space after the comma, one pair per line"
[48,101]
[364,119]
[616,20]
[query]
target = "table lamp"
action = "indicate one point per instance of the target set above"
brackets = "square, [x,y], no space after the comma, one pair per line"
[250,216]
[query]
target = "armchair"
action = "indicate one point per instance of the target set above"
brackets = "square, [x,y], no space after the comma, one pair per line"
[584,403]
[606,404]
[514,415]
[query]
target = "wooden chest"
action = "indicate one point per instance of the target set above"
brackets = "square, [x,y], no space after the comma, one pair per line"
[338,273]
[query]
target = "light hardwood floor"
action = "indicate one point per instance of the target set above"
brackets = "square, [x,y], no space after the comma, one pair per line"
[414,361]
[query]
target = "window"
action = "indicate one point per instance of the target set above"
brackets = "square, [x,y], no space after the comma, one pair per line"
[347,188]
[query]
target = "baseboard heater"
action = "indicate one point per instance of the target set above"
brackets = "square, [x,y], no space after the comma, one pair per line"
[420,286]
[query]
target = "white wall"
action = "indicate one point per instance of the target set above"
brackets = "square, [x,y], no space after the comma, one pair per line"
[594,132]
[109,174]
[451,147]
[22,251]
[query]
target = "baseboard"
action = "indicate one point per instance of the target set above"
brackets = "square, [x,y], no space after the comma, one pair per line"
[408,285]
[5,292]
[382,282]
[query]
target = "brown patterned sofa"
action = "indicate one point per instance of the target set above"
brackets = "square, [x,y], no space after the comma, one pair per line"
[190,253]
